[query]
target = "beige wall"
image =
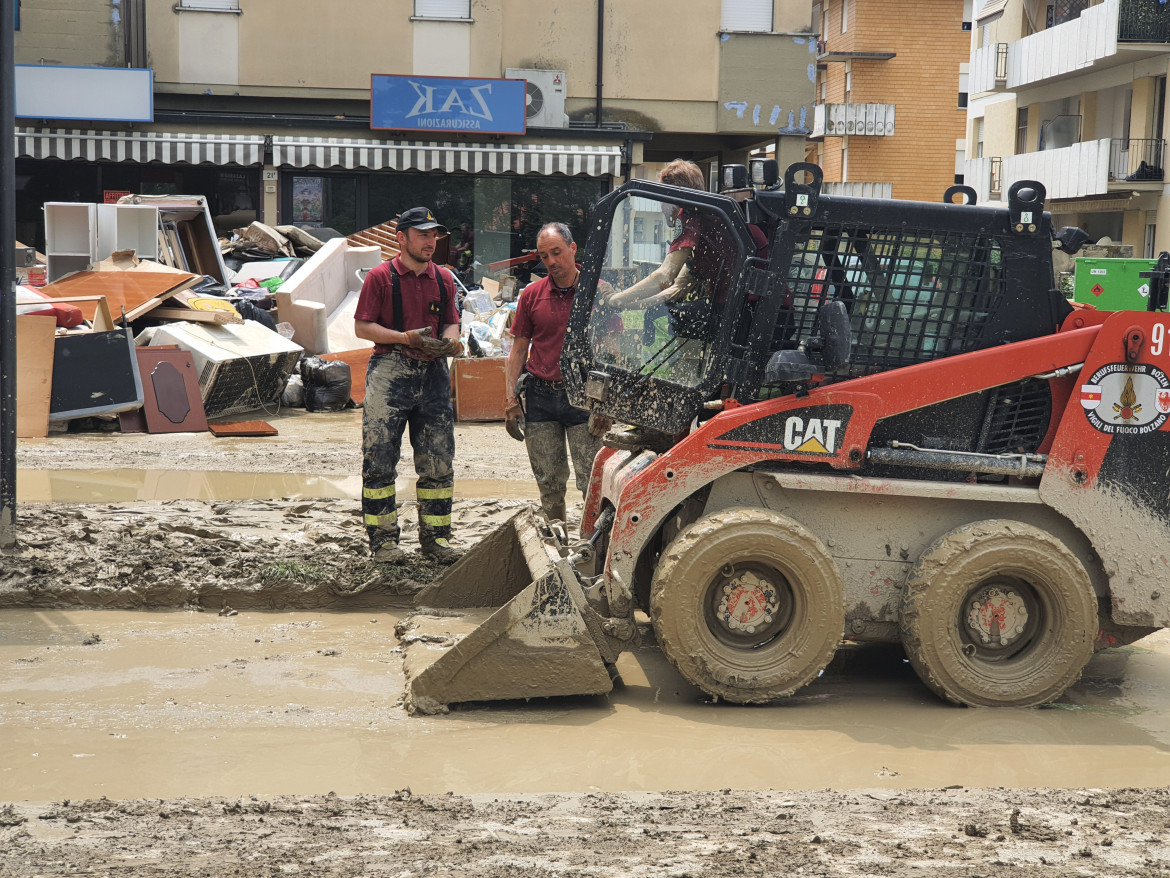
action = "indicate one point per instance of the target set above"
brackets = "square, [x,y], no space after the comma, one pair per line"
[68,32]
[665,68]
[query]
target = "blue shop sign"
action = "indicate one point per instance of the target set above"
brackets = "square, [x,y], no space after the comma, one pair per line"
[447,103]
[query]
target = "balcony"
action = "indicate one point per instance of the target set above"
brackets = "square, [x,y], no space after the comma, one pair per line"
[1093,167]
[837,120]
[860,190]
[989,69]
[1115,31]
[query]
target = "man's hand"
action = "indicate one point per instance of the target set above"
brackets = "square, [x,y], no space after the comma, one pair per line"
[420,340]
[451,347]
[514,421]
[599,424]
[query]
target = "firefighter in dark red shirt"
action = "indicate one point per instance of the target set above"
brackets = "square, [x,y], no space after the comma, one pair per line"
[407,308]
[550,421]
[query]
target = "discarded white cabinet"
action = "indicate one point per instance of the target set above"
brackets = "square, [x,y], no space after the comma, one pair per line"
[70,237]
[127,227]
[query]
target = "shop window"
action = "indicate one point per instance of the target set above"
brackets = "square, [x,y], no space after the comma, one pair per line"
[446,9]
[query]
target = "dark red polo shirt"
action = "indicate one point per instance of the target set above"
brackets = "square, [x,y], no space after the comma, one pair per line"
[420,303]
[542,316]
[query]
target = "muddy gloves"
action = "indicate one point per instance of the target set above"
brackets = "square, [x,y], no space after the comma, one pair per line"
[452,347]
[599,424]
[421,340]
[514,422]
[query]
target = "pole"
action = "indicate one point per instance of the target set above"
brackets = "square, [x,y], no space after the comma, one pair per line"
[7,277]
[600,59]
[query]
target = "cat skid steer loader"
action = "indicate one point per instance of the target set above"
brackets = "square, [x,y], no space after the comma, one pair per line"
[889,427]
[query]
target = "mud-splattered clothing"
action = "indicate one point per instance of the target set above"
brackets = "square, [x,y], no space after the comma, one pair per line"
[551,422]
[407,388]
[403,392]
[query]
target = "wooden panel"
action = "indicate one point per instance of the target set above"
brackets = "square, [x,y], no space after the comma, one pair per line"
[243,428]
[170,391]
[478,383]
[34,373]
[359,362]
[94,373]
[135,291]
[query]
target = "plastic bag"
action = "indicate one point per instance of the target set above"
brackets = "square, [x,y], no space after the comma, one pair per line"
[327,384]
[293,395]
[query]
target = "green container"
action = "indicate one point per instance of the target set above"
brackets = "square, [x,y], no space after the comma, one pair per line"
[1112,284]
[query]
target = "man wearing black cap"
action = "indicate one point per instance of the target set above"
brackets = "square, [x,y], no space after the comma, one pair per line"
[407,308]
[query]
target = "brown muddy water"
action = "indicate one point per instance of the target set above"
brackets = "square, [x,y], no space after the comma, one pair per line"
[163,704]
[125,485]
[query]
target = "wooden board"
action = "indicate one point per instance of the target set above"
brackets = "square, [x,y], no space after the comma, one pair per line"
[193,316]
[94,373]
[242,428]
[170,391]
[135,292]
[359,363]
[34,373]
[478,384]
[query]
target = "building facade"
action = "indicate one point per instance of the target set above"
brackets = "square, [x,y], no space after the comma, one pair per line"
[890,116]
[1073,93]
[267,106]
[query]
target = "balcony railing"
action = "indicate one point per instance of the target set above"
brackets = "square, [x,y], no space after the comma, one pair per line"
[1143,21]
[1136,161]
[860,189]
[995,179]
[989,68]
[837,120]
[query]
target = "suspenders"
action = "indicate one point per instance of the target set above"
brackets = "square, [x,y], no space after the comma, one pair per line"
[396,297]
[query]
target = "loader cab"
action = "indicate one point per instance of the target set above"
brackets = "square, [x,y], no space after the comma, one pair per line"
[638,351]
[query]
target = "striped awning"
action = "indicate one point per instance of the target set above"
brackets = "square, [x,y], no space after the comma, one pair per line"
[140,146]
[473,158]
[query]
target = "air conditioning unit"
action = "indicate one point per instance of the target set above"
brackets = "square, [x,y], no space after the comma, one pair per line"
[544,96]
[241,367]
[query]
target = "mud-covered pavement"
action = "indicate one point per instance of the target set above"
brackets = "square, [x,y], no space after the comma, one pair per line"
[255,726]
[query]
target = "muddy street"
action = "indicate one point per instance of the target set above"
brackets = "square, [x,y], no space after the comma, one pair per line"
[257,722]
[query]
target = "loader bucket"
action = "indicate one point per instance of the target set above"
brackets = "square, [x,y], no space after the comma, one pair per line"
[537,635]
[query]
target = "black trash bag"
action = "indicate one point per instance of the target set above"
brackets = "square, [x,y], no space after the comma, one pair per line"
[251,311]
[692,319]
[327,384]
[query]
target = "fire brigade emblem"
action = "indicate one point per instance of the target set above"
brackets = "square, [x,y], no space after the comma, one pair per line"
[1125,399]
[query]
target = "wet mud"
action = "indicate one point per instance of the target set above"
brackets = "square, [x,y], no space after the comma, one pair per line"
[242,711]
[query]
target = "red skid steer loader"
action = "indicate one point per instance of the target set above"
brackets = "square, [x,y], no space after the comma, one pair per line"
[891,427]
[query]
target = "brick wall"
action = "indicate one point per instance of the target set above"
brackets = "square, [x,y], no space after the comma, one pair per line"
[922,81]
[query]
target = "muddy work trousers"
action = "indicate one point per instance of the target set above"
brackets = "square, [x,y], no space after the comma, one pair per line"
[550,423]
[402,392]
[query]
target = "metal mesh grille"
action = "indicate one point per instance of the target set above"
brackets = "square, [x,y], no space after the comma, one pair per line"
[1017,418]
[912,294]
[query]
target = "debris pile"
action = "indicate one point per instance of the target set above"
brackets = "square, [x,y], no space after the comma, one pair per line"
[139,317]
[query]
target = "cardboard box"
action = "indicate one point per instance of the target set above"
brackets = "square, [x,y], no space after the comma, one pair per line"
[478,386]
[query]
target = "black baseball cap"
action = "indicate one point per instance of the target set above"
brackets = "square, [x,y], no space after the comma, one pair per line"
[420,218]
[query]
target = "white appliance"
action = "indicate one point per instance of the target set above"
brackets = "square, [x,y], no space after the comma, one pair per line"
[544,96]
[241,366]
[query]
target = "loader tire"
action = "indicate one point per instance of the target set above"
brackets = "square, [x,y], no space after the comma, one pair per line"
[748,605]
[999,614]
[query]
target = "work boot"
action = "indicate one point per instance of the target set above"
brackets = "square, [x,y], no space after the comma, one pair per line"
[440,550]
[390,553]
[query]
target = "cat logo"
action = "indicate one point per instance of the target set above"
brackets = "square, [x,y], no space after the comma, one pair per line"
[814,436]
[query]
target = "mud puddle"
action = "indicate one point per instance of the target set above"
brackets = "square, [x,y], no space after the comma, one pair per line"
[131,704]
[128,485]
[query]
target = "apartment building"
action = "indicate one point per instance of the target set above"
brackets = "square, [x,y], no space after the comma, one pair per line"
[344,114]
[891,95]
[1073,93]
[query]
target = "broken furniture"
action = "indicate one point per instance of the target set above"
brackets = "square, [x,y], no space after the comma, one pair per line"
[94,373]
[240,367]
[78,234]
[34,373]
[478,385]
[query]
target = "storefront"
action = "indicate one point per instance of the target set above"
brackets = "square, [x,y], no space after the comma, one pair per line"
[493,196]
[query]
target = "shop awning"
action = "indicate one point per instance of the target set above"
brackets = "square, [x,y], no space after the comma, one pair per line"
[473,158]
[140,146]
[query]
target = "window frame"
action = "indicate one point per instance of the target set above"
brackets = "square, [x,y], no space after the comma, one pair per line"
[220,6]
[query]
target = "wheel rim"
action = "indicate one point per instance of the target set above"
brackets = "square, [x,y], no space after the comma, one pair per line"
[748,605]
[999,620]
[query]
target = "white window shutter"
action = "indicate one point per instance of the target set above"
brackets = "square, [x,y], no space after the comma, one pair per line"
[747,15]
[442,8]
